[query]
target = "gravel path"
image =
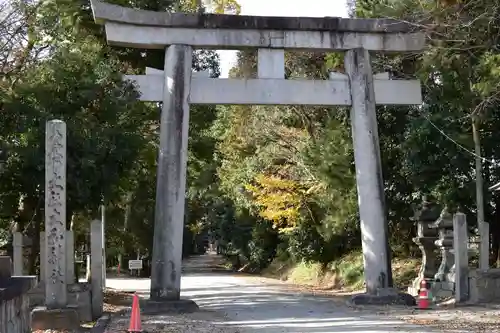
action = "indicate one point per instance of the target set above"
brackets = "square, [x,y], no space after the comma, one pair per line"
[235,303]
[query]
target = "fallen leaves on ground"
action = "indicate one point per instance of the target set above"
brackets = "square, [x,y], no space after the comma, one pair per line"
[460,325]
[201,321]
[462,319]
[115,301]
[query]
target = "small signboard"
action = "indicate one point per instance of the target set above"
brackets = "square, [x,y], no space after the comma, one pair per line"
[134,264]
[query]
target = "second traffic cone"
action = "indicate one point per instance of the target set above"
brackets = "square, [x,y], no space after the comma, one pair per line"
[135,318]
[423,296]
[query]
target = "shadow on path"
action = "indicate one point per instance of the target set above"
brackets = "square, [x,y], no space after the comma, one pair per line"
[253,304]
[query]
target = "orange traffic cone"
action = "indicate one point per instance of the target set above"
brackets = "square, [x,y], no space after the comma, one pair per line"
[135,318]
[423,296]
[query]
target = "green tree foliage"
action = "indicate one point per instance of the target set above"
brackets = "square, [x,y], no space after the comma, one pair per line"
[265,182]
[66,71]
[458,72]
[293,166]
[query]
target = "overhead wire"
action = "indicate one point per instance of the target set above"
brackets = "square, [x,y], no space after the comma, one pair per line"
[496,164]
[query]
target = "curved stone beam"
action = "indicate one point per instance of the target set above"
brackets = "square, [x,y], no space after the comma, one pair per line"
[149,37]
[108,12]
[156,30]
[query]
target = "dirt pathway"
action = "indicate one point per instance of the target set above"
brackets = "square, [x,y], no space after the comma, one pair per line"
[232,302]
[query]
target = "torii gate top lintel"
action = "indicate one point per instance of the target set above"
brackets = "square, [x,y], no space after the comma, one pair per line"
[150,29]
[110,12]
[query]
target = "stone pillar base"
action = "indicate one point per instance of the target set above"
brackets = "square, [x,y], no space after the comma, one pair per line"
[55,319]
[168,306]
[384,297]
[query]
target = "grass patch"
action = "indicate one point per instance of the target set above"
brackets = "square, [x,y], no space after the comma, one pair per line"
[346,273]
[307,273]
[349,271]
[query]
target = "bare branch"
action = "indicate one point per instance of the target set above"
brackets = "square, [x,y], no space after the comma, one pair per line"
[17,48]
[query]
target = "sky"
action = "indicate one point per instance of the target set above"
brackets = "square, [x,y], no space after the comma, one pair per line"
[312,8]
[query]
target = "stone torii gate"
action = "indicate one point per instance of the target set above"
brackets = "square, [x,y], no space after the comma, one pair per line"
[176,87]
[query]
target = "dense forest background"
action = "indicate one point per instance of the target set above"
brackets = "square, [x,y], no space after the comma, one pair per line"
[274,185]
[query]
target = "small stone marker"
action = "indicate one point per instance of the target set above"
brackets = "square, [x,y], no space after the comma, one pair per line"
[96,267]
[460,245]
[17,245]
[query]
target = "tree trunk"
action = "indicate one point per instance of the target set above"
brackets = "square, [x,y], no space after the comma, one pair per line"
[126,218]
[484,248]
[35,244]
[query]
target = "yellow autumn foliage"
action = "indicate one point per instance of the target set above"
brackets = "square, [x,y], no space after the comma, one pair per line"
[279,200]
[213,6]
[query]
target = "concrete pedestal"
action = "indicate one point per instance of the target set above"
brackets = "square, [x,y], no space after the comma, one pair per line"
[79,297]
[56,319]
[384,297]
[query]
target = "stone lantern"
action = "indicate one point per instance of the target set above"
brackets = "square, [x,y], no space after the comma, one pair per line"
[426,236]
[444,279]
[444,225]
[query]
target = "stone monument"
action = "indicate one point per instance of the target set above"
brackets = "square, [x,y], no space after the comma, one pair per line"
[56,314]
[177,88]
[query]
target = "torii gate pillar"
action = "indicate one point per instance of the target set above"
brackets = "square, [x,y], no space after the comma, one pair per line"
[171,175]
[370,184]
